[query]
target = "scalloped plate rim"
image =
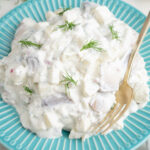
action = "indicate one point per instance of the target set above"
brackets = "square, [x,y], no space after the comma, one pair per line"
[30,1]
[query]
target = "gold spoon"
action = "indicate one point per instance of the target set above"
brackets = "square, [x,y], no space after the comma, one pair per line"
[125,92]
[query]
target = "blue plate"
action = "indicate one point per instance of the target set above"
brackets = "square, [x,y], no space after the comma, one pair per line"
[137,125]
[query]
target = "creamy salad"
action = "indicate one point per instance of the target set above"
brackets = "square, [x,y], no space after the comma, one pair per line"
[63,73]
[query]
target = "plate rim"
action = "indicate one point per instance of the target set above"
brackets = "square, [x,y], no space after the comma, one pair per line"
[30,1]
[8,14]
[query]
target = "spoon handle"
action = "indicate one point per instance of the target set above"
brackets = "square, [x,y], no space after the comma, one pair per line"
[137,45]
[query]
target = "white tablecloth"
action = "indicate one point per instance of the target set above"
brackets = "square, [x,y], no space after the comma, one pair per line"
[142,5]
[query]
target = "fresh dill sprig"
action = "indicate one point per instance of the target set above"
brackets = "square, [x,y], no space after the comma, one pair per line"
[67,26]
[27,89]
[29,44]
[64,10]
[68,80]
[92,44]
[113,32]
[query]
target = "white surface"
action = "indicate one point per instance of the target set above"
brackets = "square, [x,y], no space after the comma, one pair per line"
[6,5]
[142,5]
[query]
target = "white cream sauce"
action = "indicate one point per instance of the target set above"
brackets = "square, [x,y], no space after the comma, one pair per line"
[49,109]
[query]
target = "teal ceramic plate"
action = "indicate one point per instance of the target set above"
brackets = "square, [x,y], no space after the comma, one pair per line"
[137,125]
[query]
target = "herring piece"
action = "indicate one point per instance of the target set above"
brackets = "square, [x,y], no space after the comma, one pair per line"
[82,124]
[32,62]
[90,88]
[103,15]
[26,23]
[39,123]
[111,74]
[44,89]
[87,7]
[54,75]
[139,93]
[51,120]
[17,74]
[102,102]
[73,15]
[51,101]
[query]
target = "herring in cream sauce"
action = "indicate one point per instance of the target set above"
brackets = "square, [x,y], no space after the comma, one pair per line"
[63,73]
